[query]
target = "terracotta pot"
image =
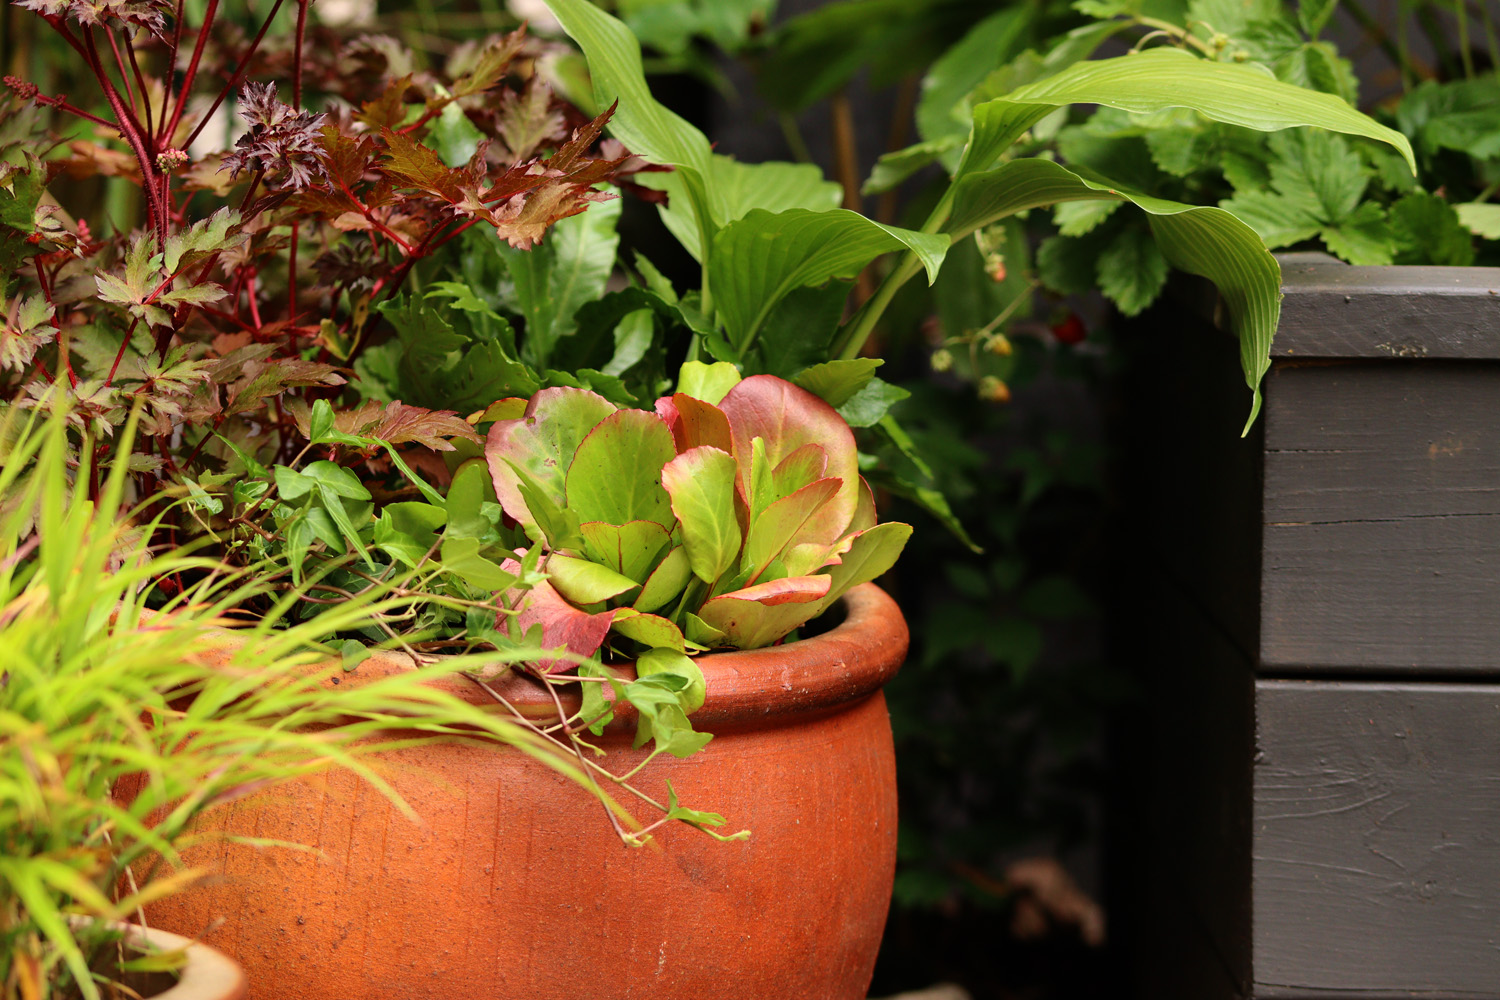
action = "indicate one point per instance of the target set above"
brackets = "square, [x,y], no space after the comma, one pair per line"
[208,975]
[516,888]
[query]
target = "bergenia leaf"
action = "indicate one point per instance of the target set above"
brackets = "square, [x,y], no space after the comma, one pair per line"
[584,582]
[615,475]
[563,626]
[786,418]
[695,423]
[631,549]
[543,442]
[873,552]
[649,630]
[701,483]
[760,615]
[666,582]
[784,524]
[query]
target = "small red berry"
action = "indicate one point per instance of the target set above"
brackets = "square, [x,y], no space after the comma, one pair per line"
[1071,330]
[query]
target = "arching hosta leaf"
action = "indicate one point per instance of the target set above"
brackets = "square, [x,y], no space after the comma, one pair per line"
[615,474]
[1209,242]
[701,484]
[795,248]
[1162,78]
[645,127]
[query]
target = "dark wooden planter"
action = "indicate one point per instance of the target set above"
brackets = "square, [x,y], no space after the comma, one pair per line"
[1312,796]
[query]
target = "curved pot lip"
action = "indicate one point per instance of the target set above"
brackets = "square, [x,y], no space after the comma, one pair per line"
[208,975]
[845,664]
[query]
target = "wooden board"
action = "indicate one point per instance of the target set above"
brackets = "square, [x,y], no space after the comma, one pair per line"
[1376,857]
[1332,310]
[1381,541]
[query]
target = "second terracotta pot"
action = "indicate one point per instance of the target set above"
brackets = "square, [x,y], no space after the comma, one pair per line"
[516,888]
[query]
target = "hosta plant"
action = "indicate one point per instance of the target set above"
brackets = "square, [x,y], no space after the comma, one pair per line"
[728,516]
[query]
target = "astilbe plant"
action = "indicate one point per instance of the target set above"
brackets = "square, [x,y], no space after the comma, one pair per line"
[254,283]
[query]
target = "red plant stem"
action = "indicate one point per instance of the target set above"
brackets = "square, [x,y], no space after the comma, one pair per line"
[297,54]
[140,82]
[234,79]
[62,105]
[121,352]
[251,300]
[176,42]
[169,128]
[124,73]
[130,131]
[62,341]
[291,273]
[62,29]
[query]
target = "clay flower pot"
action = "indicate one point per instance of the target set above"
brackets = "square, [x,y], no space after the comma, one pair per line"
[516,887]
[208,975]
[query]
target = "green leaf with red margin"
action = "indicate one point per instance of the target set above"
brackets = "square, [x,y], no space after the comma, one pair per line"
[782,525]
[583,582]
[760,615]
[787,418]
[631,549]
[802,467]
[563,626]
[543,442]
[648,630]
[666,581]
[701,484]
[695,423]
[873,552]
[616,473]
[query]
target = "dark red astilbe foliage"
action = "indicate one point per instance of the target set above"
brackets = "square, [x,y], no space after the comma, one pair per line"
[234,324]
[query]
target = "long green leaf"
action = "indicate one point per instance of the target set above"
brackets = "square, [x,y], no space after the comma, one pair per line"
[644,125]
[1209,242]
[1162,78]
[796,248]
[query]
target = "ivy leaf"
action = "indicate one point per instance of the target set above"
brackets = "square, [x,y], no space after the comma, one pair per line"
[655,662]
[1132,271]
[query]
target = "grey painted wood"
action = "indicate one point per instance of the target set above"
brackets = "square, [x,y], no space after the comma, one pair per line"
[1376,857]
[1333,310]
[1381,542]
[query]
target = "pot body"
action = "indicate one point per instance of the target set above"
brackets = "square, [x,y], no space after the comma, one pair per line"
[514,885]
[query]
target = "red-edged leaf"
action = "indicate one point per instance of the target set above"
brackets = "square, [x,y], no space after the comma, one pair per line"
[615,475]
[701,484]
[400,424]
[790,590]
[787,418]
[695,423]
[562,624]
[542,441]
[784,524]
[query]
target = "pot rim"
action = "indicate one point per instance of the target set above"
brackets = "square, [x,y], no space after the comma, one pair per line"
[819,674]
[208,973]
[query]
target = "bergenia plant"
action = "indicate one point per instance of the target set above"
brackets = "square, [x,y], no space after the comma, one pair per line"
[729,516]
